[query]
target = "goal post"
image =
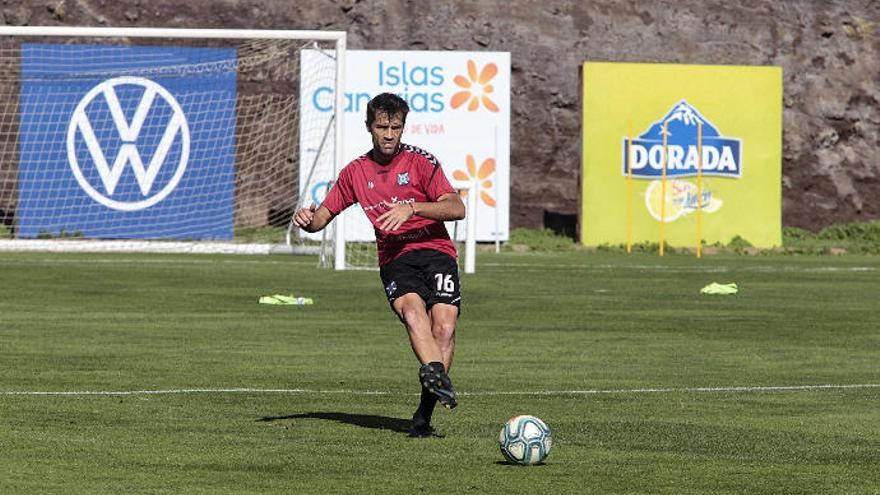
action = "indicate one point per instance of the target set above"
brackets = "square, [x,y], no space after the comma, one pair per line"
[163,139]
[470,238]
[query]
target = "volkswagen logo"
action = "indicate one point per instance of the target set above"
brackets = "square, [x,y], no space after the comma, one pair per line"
[128,153]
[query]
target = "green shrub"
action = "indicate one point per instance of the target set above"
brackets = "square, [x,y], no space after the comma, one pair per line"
[540,240]
[856,238]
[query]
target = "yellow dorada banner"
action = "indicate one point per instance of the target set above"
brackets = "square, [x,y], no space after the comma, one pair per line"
[681,154]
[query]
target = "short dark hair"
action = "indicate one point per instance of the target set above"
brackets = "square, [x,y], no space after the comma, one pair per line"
[388,103]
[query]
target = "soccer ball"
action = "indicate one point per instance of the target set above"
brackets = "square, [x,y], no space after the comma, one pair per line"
[525,440]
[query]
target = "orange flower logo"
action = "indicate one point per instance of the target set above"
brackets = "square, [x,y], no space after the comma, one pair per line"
[476,88]
[487,168]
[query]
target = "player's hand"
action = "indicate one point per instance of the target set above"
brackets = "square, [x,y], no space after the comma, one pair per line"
[303,217]
[396,216]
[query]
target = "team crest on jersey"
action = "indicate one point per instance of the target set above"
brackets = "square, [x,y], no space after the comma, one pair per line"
[370,184]
[403,179]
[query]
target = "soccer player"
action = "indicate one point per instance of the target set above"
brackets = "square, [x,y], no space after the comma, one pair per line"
[406,196]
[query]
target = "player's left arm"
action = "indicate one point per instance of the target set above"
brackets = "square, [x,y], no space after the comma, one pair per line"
[448,207]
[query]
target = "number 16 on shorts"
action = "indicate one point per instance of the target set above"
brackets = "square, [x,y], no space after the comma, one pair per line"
[445,284]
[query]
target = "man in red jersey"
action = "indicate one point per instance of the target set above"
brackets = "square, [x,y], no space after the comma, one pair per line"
[406,197]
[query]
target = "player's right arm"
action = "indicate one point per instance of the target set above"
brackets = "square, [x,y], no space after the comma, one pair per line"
[313,218]
[340,197]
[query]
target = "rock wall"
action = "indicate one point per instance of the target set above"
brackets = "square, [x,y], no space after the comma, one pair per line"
[829,51]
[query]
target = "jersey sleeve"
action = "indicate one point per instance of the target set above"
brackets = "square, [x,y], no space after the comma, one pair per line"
[341,195]
[437,184]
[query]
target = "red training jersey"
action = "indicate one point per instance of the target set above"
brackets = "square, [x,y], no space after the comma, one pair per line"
[413,175]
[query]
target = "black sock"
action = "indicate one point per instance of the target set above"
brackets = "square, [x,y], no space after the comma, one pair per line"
[426,407]
[427,400]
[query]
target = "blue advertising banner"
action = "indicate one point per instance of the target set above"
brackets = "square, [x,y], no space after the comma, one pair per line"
[127,142]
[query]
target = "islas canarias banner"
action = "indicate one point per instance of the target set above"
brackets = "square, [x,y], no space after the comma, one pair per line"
[680,152]
[459,111]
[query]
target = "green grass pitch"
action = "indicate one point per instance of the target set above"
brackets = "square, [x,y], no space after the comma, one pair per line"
[161,374]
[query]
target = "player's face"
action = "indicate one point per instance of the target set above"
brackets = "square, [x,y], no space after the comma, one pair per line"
[386,131]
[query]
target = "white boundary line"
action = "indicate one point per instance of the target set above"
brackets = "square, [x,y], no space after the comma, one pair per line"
[149,247]
[621,391]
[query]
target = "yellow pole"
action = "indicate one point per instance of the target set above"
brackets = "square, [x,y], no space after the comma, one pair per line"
[699,189]
[663,195]
[629,190]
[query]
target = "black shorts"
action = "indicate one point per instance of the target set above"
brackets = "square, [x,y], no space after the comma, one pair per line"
[430,274]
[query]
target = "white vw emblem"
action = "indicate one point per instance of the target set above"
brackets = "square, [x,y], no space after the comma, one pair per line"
[128,151]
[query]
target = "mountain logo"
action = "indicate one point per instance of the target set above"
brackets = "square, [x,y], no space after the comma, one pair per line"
[721,156]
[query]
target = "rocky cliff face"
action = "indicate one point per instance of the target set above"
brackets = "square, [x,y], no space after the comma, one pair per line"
[829,51]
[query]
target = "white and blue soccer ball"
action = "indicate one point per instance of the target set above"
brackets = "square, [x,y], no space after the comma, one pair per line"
[525,440]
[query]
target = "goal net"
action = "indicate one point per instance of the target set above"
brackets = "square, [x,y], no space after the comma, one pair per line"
[159,139]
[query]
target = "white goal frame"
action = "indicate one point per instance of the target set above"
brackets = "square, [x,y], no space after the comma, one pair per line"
[64,245]
[470,242]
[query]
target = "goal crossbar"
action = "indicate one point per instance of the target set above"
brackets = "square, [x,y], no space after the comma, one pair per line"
[146,32]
